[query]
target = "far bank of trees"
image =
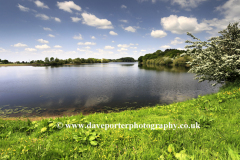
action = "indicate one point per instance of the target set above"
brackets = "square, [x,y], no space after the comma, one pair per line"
[57,61]
[123,59]
[168,57]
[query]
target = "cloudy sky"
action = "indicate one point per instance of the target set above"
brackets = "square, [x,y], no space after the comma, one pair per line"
[35,29]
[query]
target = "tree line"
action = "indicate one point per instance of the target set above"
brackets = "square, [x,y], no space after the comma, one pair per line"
[171,53]
[123,59]
[57,61]
[168,57]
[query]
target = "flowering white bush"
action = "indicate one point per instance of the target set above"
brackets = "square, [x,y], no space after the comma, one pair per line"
[220,61]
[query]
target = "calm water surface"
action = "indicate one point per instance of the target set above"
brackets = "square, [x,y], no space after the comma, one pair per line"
[95,87]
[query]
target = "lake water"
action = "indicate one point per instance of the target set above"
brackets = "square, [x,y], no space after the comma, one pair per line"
[89,88]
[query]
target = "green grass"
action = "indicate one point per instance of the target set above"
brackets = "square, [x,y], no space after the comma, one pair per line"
[217,138]
[15,64]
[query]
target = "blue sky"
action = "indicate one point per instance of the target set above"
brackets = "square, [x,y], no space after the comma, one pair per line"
[35,29]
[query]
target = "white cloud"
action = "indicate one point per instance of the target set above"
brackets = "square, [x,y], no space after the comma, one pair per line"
[93,37]
[112,41]
[42,41]
[133,47]
[56,19]
[2,50]
[57,46]
[86,43]
[68,5]
[166,47]
[130,29]
[122,49]
[123,45]
[158,34]
[181,25]
[113,33]
[47,29]
[122,20]
[124,53]
[123,6]
[108,47]
[71,52]
[78,37]
[43,16]
[53,51]
[87,47]
[42,46]
[92,20]
[131,44]
[153,1]
[22,8]
[50,35]
[177,40]
[230,11]
[182,49]
[188,3]
[100,50]
[81,50]
[75,19]
[40,4]
[143,50]
[20,45]
[30,49]
[136,44]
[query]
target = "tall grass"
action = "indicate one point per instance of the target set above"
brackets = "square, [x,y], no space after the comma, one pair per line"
[217,138]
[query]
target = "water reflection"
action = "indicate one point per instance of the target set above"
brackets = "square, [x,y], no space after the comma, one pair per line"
[95,87]
[176,69]
[127,64]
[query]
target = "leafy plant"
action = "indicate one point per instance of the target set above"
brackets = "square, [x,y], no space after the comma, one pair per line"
[86,137]
[205,122]
[172,153]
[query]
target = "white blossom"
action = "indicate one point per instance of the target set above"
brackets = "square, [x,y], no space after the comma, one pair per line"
[220,61]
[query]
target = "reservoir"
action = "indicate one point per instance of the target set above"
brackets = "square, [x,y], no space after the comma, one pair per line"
[90,88]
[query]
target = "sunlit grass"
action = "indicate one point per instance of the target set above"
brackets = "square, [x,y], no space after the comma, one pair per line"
[15,64]
[217,138]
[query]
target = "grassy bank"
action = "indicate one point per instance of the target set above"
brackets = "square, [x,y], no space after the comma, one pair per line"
[217,138]
[15,64]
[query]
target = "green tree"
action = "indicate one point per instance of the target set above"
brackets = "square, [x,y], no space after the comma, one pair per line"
[46,60]
[104,60]
[51,59]
[40,61]
[90,60]
[77,60]
[140,59]
[126,59]
[56,60]
[70,60]
[83,60]
[5,61]
[220,61]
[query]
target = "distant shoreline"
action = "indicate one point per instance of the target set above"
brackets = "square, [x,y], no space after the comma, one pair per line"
[38,64]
